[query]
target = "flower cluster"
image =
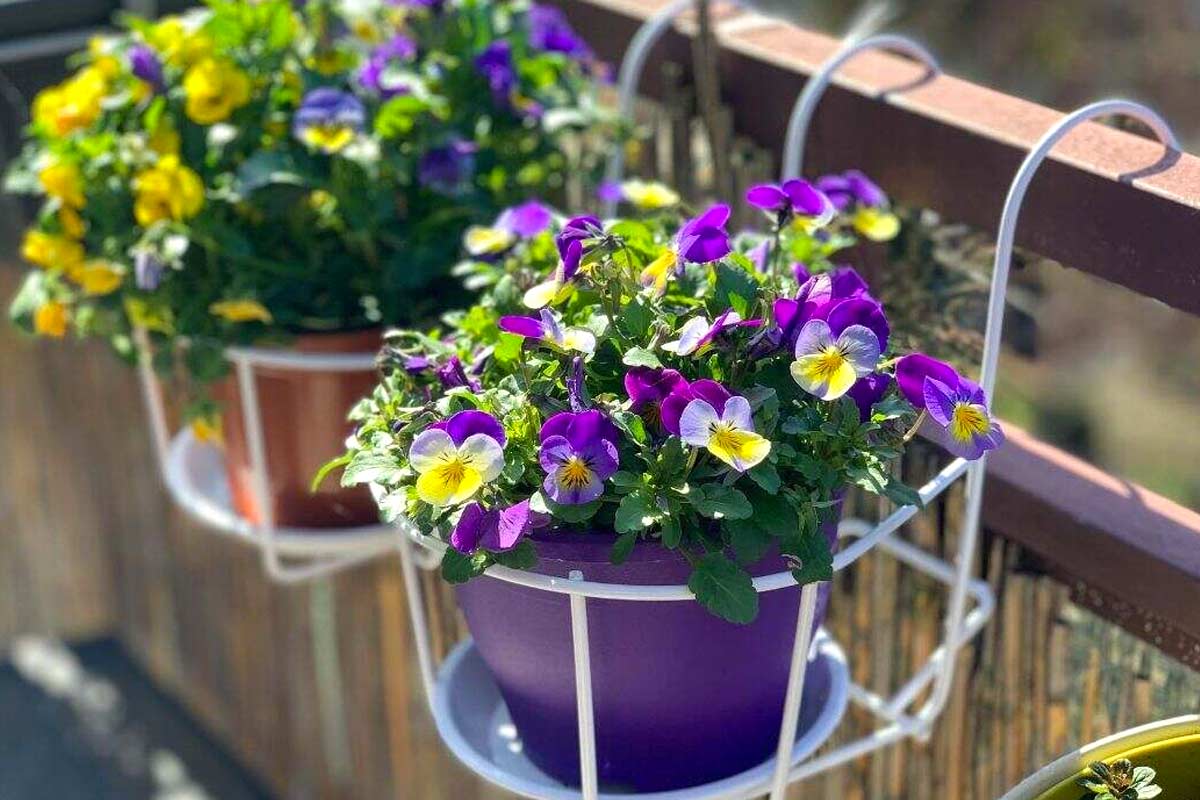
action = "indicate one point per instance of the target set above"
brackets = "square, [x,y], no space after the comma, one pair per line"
[262,167]
[662,378]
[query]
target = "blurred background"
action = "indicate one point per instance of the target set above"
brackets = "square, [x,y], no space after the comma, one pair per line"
[196,679]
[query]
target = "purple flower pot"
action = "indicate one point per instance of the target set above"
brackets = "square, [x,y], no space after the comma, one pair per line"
[681,697]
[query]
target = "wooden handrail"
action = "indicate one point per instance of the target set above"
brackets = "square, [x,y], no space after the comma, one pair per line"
[1107,202]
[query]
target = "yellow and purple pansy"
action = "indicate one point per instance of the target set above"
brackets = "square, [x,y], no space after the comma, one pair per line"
[854,191]
[328,119]
[548,328]
[956,404]
[457,457]
[726,431]
[829,363]
[523,221]
[795,201]
[578,452]
[698,334]
[700,240]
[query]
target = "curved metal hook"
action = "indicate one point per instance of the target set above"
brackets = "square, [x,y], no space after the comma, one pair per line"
[814,89]
[1016,195]
[630,75]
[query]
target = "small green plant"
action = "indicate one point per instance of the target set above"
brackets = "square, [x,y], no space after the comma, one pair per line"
[1120,780]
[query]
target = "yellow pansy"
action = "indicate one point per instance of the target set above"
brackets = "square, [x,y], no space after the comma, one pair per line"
[241,311]
[214,89]
[649,195]
[207,429]
[72,104]
[51,318]
[71,223]
[51,251]
[327,138]
[483,240]
[658,271]
[151,316]
[62,180]
[97,277]
[168,190]
[178,45]
[877,224]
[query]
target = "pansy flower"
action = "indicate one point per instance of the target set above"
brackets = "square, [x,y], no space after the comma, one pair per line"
[548,328]
[493,529]
[726,432]
[648,195]
[447,168]
[795,200]
[868,391]
[515,223]
[579,453]
[683,393]
[956,404]
[820,297]
[381,73]
[570,243]
[455,458]
[328,119]
[871,215]
[549,31]
[697,334]
[452,375]
[701,239]
[827,364]
[144,64]
[647,387]
[495,64]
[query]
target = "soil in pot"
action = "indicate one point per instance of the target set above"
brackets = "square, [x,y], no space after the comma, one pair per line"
[1176,760]
[304,426]
[681,697]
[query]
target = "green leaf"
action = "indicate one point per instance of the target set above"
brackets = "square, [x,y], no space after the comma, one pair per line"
[328,467]
[812,551]
[766,476]
[572,514]
[749,541]
[459,568]
[672,531]
[636,512]
[368,467]
[717,501]
[901,493]
[735,288]
[636,318]
[724,588]
[624,479]
[640,357]
[672,458]
[623,547]
[523,556]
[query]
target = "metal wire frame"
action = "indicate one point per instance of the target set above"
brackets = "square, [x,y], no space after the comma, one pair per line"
[289,555]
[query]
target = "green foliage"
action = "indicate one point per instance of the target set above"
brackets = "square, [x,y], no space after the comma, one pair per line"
[1119,780]
[724,588]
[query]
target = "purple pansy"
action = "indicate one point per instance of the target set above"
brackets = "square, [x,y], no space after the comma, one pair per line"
[550,31]
[416,365]
[465,424]
[822,297]
[525,220]
[956,404]
[328,119]
[647,387]
[697,333]
[452,374]
[144,64]
[547,327]
[447,168]
[579,453]
[913,369]
[800,272]
[683,393]
[569,241]
[493,529]
[793,198]
[704,238]
[495,64]
[577,229]
[378,73]
[867,391]
[852,188]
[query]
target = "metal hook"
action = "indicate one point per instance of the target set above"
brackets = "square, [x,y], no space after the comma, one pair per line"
[991,347]
[814,89]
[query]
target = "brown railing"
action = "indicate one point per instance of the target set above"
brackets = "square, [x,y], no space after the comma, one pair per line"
[1108,202]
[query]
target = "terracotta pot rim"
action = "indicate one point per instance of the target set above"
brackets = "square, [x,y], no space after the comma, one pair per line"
[351,340]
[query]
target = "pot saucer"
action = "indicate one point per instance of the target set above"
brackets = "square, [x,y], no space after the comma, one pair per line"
[473,721]
[196,479]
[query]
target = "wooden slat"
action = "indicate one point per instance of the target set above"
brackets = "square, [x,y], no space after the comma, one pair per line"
[1108,202]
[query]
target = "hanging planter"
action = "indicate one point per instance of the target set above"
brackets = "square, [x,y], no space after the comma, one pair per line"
[1159,759]
[251,177]
[654,404]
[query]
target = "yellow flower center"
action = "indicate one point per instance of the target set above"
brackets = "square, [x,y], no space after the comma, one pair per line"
[827,363]
[575,473]
[968,421]
[328,138]
[739,448]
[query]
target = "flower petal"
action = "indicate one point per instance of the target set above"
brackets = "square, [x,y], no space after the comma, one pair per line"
[482,453]
[528,327]
[860,347]
[741,450]
[690,337]
[541,296]
[448,484]
[911,371]
[470,529]
[814,337]
[818,375]
[737,414]
[429,448]
[514,522]
[580,340]
[939,401]
[465,423]
[696,423]
[555,451]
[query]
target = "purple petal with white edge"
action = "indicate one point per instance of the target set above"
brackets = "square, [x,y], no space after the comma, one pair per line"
[737,414]
[526,220]
[814,337]
[712,393]
[939,401]
[484,454]
[550,328]
[766,196]
[911,371]
[528,327]
[471,527]
[690,336]
[860,346]
[696,422]
[860,311]
[554,452]
[428,447]
[514,522]
[466,423]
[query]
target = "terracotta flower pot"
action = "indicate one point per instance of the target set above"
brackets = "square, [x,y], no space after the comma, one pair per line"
[681,697]
[1170,747]
[304,426]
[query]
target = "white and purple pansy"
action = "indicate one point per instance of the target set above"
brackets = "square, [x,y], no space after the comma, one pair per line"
[828,364]
[493,529]
[519,222]
[548,328]
[456,457]
[701,239]
[726,432]
[793,199]
[578,453]
[698,334]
